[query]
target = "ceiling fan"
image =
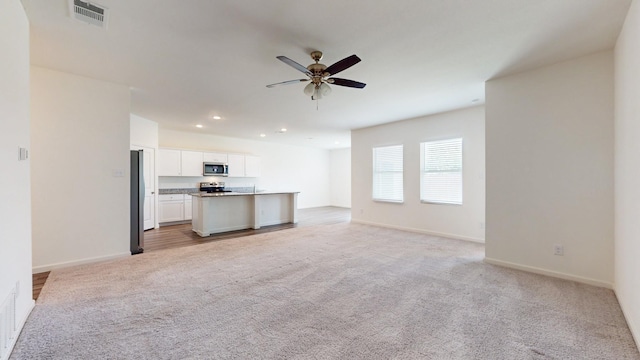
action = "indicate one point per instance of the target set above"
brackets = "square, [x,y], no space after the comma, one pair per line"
[319,75]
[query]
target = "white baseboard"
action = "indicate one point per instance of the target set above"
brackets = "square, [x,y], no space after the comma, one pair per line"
[169,223]
[633,326]
[14,340]
[421,231]
[49,267]
[275,222]
[551,273]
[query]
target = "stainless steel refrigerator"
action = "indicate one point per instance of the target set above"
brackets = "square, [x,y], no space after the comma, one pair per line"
[137,202]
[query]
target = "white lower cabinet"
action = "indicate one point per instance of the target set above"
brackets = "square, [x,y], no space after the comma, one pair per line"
[188,207]
[171,208]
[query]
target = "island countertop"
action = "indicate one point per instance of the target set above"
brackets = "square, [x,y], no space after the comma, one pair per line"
[233,193]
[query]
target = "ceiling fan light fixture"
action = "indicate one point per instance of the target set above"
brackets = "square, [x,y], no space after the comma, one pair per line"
[317,94]
[324,89]
[309,89]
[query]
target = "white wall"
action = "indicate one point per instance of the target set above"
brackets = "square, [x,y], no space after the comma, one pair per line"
[340,178]
[457,221]
[627,169]
[15,206]
[283,167]
[80,169]
[143,132]
[550,169]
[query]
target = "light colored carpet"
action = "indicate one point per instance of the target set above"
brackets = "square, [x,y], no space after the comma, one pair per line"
[344,291]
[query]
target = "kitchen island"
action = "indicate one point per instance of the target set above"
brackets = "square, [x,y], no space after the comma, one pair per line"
[228,211]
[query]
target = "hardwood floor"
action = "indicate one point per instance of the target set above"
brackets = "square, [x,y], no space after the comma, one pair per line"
[168,237]
[38,282]
[323,216]
[174,236]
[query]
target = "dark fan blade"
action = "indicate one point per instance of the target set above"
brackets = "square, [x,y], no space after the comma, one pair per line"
[347,82]
[294,64]
[342,64]
[287,82]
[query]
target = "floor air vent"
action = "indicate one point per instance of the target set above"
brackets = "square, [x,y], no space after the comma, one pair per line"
[7,324]
[89,12]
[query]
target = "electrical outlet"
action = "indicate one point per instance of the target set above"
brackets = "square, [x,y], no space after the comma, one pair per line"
[558,249]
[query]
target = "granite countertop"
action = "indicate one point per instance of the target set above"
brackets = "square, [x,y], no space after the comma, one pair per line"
[234,192]
[205,194]
[178,191]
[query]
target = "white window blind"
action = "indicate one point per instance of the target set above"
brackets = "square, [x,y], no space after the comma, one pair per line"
[388,173]
[441,171]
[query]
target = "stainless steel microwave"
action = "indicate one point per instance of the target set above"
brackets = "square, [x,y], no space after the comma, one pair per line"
[215,169]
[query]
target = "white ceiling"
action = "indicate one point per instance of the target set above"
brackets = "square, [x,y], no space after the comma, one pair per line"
[186,60]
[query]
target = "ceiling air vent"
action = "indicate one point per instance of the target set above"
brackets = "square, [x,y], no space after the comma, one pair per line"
[89,12]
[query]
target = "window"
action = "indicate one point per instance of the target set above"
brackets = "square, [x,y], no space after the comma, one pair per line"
[387,174]
[441,171]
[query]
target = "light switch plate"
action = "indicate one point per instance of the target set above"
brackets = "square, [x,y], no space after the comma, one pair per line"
[23,154]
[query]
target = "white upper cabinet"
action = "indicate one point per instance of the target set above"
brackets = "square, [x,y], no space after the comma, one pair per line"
[251,166]
[236,165]
[173,162]
[191,163]
[214,157]
[169,162]
[244,165]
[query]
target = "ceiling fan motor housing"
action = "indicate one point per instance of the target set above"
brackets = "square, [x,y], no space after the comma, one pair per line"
[318,72]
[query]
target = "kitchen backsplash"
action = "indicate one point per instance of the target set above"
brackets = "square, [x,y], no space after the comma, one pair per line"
[177,182]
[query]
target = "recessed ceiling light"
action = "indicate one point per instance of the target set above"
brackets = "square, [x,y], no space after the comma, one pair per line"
[263,135]
[336,142]
[199,126]
[216,117]
[283,130]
